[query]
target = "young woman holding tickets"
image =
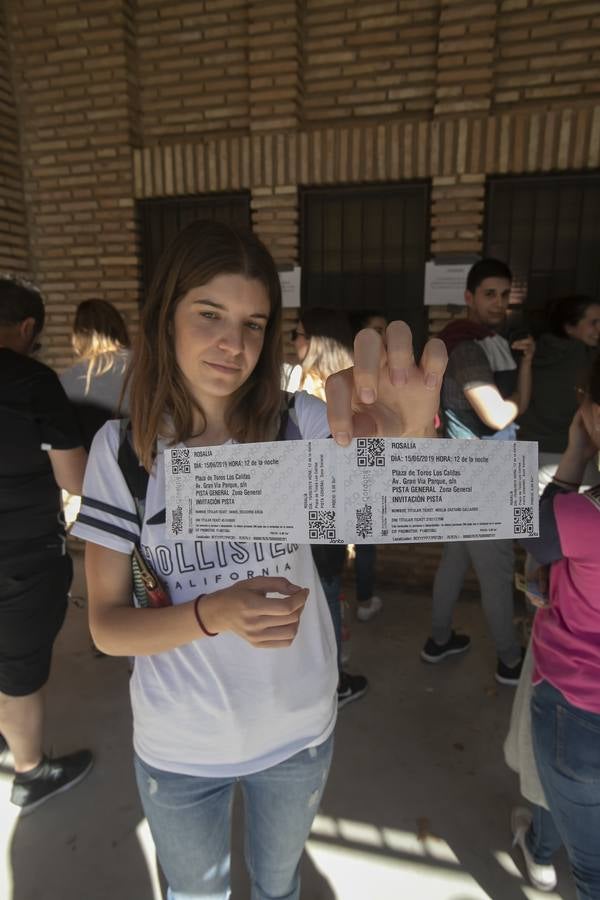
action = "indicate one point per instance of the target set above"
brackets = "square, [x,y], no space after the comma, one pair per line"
[236,680]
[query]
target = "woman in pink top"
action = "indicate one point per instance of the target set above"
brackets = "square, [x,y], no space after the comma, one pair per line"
[566,643]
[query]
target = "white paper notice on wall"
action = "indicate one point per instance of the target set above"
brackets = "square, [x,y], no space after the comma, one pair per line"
[445,283]
[290,287]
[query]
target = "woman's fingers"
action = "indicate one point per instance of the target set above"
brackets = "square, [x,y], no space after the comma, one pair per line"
[368,355]
[400,357]
[433,363]
[338,393]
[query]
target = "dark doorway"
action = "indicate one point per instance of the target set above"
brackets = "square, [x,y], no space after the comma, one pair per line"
[547,228]
[162,219]
[365,248]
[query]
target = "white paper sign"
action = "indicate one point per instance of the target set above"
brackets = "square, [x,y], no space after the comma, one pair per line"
[290,287]
[445,283]
[375,491]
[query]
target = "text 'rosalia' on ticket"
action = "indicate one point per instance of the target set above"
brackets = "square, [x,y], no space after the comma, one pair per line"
[375,491]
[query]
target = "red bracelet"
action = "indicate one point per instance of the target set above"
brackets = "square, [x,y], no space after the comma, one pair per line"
[199,620]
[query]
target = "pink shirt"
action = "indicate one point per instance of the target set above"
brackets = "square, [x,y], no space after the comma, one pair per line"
[566,634]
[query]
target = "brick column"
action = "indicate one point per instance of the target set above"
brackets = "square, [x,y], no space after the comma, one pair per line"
[457,206]
[275,64]
[76,93]
[465,70]
[13,226]
[276,104]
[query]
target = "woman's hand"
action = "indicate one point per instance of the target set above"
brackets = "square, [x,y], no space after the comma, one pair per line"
[385,394]
[245,609]
[526,346]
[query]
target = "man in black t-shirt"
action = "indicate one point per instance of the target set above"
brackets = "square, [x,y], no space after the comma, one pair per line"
[40,453]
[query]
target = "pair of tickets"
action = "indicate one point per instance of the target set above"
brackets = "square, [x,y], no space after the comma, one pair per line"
[375,491]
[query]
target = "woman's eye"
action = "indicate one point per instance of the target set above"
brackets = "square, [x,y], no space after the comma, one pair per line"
[254,326]
[208,315]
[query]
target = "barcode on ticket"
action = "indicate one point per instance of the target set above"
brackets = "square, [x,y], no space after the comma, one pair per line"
[177,520]
[364,521]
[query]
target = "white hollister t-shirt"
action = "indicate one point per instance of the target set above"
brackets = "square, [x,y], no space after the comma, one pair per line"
[217,706]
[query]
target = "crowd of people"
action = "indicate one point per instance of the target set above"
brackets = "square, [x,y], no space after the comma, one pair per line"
[242,684]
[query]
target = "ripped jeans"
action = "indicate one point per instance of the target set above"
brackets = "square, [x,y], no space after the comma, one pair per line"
[190,821]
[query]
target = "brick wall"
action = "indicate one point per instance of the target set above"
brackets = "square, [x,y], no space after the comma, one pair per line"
[76,94]
[119,100]
[13,228]
[193,67]
[547,53]
[369,60]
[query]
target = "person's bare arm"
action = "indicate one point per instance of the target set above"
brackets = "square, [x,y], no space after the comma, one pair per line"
[119,629]
[522,395]
[489,406]
[68,467]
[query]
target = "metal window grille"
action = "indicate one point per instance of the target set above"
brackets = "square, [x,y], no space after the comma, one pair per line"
[365,248]
[162,219]
[547,228]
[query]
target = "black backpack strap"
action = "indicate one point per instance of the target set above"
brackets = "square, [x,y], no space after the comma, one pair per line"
[289,429]
[135,475]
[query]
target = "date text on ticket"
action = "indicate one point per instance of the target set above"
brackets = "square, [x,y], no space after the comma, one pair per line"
[375,491]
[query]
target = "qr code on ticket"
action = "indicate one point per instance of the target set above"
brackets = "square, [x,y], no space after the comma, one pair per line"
[364,521]
[180,461]
[321,524]
[370,452]
[177,520]
[523,519]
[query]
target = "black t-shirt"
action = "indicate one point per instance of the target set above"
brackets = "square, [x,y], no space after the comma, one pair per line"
[35,416]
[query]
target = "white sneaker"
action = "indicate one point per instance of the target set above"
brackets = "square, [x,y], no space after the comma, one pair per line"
[543,877]
[366,611]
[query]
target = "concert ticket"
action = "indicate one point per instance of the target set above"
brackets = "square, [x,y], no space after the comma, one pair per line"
[375,491]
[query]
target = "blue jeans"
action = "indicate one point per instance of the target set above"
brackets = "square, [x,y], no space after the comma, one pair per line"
[566,741]
[542,838]
[364,568]
[332,588]
[190,821]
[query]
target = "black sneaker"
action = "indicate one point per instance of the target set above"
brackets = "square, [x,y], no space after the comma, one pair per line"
[350,688]
[456,643]
[509,674]
[52,776]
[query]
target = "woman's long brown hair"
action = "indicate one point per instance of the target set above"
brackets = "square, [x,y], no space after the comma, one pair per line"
[159,398]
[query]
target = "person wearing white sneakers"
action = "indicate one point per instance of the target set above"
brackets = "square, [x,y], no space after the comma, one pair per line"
[536,836]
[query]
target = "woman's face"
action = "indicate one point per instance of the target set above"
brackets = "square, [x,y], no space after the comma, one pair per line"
[588,327]
[301,341]
[219,332]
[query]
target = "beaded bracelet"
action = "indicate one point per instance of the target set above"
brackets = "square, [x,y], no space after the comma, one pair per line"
[199,620]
